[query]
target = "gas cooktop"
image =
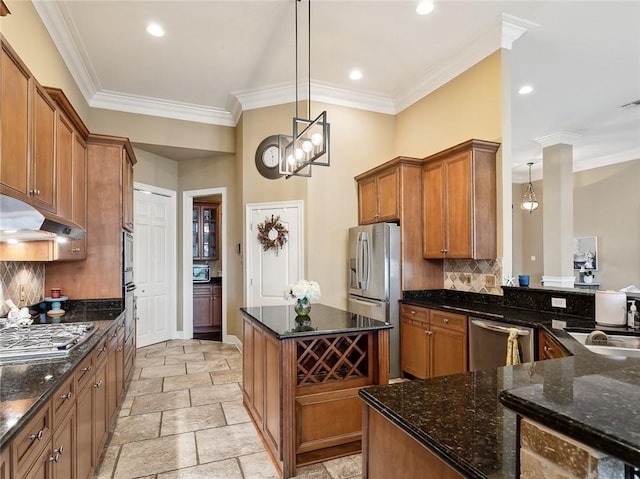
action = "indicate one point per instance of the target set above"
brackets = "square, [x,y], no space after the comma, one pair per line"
[42,340]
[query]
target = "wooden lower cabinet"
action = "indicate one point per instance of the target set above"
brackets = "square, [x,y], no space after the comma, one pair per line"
[65,438]
[387,449]
[207,311]
[548,348]
[432,343]
[5,463]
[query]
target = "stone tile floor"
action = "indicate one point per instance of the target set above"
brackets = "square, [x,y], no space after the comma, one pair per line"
[183,418]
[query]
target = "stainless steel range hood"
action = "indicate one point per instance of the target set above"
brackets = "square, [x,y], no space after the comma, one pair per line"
[21,221]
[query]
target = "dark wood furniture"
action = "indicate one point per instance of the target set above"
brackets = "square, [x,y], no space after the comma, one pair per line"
[206,239]
[459,208]
[432,343]
[393,192]
[301,382]
[207,310]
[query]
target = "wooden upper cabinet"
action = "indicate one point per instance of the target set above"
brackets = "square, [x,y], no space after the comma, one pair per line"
[127,190]
[459,202]
[43,159]
[206,238]
[15,95]
[64,149]
[378,197]
[393,192]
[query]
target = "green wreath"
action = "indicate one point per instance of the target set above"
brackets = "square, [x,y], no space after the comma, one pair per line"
[272,234]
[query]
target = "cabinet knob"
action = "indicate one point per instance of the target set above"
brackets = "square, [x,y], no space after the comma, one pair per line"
[429,333]
[98,385]
[76,250]
[446,320]
[87,369]
[66,395]
[413,312]
[37,436]
[547,349]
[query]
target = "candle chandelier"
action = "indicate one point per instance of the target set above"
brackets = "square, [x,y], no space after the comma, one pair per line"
[308,145]
[529,201]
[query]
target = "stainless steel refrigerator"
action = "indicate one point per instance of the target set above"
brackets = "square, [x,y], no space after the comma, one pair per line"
[374,280]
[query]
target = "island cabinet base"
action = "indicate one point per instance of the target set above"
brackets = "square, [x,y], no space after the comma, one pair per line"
[387,449]
[302,392]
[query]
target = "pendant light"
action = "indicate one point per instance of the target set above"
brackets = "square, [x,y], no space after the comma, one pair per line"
[529,201]
[309,143]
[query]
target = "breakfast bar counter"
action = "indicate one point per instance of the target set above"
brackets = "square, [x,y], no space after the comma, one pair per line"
[300,371]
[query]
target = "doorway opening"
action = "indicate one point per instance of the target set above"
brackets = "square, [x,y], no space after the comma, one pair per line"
[204,301]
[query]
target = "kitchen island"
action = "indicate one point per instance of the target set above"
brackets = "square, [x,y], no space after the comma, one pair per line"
[301,380]
[458,426]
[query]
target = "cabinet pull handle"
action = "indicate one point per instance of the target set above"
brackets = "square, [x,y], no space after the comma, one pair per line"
[446,320]
[37,436]
[546,348]
[98,385]
[66,396]
[413,312]
[76,250]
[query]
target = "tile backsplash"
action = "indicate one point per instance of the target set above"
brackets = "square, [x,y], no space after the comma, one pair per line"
[16,276]
[477,276]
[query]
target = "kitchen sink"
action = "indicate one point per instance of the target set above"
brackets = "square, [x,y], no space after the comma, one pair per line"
[609,344]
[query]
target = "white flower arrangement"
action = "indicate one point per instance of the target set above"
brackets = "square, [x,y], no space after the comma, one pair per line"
[303,289]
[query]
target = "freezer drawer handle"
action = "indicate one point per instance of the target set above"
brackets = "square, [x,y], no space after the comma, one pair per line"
[499,329]
[367,303]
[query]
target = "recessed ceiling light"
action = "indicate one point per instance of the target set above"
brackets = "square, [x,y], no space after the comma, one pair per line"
[425,7]
[355,74]
[155,30]
[13,241]
[525,89]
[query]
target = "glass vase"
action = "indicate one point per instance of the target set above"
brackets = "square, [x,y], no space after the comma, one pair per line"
[302,307]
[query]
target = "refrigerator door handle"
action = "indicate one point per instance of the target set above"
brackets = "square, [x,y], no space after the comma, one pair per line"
[366,261]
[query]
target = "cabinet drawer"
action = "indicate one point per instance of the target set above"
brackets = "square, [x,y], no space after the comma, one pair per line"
[31,441]
[456,322]
[63,399]
[414,313]
[100,353]
[84,373]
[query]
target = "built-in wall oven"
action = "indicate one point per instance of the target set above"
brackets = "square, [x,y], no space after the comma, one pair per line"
[128,284]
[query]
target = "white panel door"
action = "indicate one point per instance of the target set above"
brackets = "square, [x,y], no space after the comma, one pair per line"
[153,257]
[268,273]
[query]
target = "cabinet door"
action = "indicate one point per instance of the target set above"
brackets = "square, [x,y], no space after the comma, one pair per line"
[5,464]
[64,162]
[458,197]
[433,241]
[367,201]
[247,362]
[84,433]
[100,402]
[448,351]
[15,87]
[202,306]
[217,305]
[63,455]
[388,195]
[127,192]
[79,181]
[209,215]
[43,165]
[548,348]
[414,348]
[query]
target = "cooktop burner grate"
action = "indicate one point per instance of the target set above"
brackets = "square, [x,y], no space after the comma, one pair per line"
[42,340]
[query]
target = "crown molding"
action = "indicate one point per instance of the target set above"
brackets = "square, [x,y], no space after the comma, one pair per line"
[57,21]
[559,137]
[513,28]
[162,108]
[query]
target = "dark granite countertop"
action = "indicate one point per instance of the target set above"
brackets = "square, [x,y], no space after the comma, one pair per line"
[281,321]
[26,385]
[462,419]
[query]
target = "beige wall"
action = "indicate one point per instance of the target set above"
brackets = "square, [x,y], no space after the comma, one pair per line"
[606,204]
[155,170]
[469,106]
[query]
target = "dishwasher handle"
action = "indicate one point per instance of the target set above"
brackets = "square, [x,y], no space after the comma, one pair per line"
[497,328]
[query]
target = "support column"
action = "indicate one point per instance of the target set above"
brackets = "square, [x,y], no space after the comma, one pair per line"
[557,219]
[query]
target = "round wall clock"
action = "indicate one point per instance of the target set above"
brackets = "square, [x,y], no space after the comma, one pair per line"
[268,158]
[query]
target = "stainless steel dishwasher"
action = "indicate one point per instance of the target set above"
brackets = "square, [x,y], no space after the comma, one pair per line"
[488,343]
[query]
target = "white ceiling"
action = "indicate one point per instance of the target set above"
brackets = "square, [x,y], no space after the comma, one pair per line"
[220,57]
